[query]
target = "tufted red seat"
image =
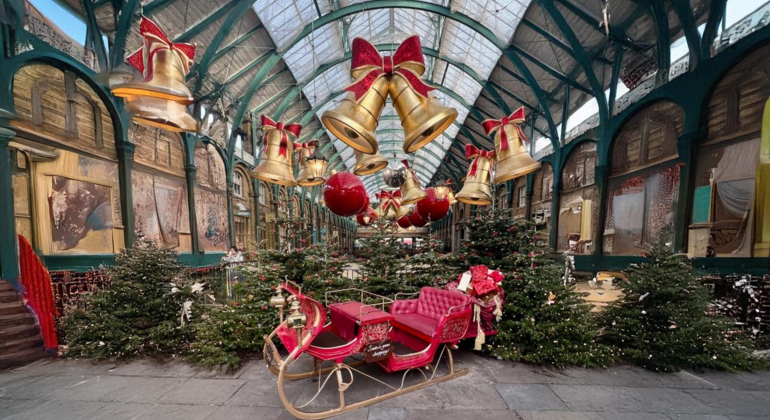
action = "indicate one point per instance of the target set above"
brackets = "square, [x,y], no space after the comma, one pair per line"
[424,316]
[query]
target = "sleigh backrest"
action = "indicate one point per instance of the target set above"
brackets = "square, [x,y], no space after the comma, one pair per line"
[316,317]
[435,303]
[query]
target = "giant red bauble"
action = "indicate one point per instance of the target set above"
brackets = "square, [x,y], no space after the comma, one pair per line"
[431,208]
[403,222]
[344,194]
[416,220]
[360,216]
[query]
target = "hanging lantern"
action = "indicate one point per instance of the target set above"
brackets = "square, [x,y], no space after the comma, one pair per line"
[367,164]
[312,164]
[410,190]
[158,97]
[451,197]
[477,189]
[443,189]
[345,194]
[366,217]
[432,208]
[277,149]
[513,160]
[416,220]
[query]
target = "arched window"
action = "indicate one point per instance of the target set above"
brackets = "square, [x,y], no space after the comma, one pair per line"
[579,204]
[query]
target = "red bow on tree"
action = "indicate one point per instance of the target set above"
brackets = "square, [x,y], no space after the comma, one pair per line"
[389,198]
[514,119]
[269,125]
[472,152]
[367,65]
[156,40]
[308,145]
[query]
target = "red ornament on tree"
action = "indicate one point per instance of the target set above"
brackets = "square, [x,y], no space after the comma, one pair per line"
[345,194]
[403,222]
[416,220]
[431,208]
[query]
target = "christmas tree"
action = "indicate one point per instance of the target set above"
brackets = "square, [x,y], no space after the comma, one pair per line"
[145,310]
[544,320]
[382,262]
[661,322]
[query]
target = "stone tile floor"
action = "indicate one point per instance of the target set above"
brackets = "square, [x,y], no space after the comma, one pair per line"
[493,390]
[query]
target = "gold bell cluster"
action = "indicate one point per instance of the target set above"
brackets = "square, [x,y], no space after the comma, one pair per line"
[478,181]
[513,160]
[391,205]
[411,192]
[159,96]
[376,77]
[275,162]
[312,164]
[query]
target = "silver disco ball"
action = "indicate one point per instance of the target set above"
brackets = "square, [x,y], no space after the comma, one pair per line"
[394,178]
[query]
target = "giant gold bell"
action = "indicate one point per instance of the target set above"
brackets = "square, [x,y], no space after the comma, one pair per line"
[423,119]
[275,165]
[355,122]
[160,113]
[411,192]
[477,189]
[367,164]
[311,172]
[167,80]
[514,161]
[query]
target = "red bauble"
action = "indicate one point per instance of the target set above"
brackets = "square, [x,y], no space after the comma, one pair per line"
[360,216]
[416,220]
[345,195]
[431,208]
[404,222]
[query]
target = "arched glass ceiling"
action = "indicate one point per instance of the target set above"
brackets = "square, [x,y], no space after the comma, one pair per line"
[285,19]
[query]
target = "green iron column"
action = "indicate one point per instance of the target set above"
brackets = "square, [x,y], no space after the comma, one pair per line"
[9,258]
[230,209]
[684,205]
[553,231]
[255,187]
[601,177]
[125,151]
[276,229]
[529,191]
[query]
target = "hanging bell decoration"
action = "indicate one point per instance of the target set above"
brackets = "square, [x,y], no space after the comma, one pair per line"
[355,120]
[391,207]
[367,164]
[275,164]
[477,188]
[422,117]
[312,164]
[411,192]
[513,160]
[158,98]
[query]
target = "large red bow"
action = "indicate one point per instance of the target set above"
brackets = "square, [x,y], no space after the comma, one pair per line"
[269,125]
[389,198]
[308,145]
[367,65]
[156,40]
[472,152]
[516,118]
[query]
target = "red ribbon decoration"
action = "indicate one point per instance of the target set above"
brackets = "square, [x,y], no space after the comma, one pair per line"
[516,118]
[308,145]
[367,65]
[156,40]
[408,168]
[472,152]
[389,198]
[269,125]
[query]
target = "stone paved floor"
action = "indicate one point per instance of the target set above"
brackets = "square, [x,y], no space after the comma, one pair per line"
[493,390]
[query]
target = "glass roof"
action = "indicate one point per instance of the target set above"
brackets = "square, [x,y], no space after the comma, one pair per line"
[285,19]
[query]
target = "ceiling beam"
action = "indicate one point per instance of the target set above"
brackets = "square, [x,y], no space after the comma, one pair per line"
[593,22]
[548,69]
[201,26]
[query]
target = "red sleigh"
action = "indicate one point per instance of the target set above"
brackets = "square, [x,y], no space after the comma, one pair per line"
[415,333]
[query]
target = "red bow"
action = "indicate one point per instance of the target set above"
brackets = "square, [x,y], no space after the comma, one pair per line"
[156,40]
[515,119]
[308,145]
[472,152]
[408,168]
[269,125]
[367,65]
[389,198]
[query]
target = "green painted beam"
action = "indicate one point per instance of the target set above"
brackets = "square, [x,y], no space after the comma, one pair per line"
[548,69]
[238,9]
[269,101]
[245,69]
[94,36]
[155,7]
[716,13]
[593,22]
[201,26]
[123,29]
[660,15]
[691,34]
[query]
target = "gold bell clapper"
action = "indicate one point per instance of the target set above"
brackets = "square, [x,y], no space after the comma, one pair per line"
[275,162]
[477,189]
[157,97]
[367,164]
[513,160]
[312,164]
[411,192]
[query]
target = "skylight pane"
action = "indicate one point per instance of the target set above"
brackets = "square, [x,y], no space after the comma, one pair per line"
[464,45]
[284,19]
[457,80]
[332,80]
[320,47]
[500,16]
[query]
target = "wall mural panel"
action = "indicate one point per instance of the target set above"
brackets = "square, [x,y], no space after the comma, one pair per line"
[210,200]
[161,210]
[80,216]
